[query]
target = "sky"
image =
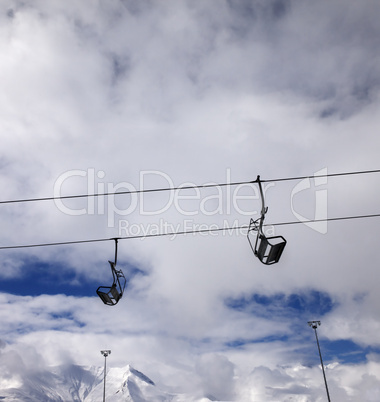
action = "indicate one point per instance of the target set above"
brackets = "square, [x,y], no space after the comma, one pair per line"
[109,96]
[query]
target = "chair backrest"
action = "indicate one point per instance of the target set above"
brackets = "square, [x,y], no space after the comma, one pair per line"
[115,293]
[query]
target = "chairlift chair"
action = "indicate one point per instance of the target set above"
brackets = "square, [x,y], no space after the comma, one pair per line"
[111,295]
[267,249]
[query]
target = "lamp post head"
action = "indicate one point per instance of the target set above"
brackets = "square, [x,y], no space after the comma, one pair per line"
[314,324]
[105,353]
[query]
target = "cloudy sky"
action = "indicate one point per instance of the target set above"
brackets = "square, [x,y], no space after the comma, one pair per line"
[106,96]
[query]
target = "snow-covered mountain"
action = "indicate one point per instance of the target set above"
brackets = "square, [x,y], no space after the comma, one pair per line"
[85,384]
[127,384]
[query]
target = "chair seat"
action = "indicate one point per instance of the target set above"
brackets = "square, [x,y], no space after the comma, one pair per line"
[109,294]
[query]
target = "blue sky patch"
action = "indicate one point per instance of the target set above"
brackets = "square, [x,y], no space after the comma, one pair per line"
[51,279]
[345,351]
[43,278]
[237,343]
[312,304]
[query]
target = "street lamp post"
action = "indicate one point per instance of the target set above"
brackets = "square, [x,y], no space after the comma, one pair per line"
[314,325]
[105,353]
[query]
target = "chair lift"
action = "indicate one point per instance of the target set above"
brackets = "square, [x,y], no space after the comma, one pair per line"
[110,295]
[267,249]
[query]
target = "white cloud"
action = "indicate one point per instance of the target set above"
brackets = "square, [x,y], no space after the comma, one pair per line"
[217,375]
[193,91]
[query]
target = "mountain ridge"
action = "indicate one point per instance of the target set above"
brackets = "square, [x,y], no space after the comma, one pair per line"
[74,383]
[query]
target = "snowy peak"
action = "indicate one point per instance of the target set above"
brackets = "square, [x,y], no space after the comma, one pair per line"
[137,387]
